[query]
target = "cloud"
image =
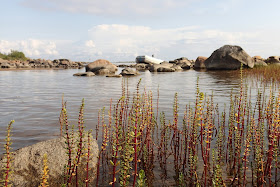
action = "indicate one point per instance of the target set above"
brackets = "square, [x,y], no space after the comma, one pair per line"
[31,47]
[89,43]
[123,43]
[108,7]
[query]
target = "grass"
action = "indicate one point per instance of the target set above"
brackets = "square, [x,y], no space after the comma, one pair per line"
[268,75]
[235,146]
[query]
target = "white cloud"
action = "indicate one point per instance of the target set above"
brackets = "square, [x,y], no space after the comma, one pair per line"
[89,43]
[123,43]
[31,47]
[108,7]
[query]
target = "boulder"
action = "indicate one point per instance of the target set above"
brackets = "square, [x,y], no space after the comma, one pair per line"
[3,61]
[183,62]
[228,57]
[142,66]
[199,62]
[103,72]
[129,72]
[101,67]
[7,65]
[27,162]
[177,67]
[258,61]
[165,69]
[257,58]
[162,67]
[85,74]
[273,60]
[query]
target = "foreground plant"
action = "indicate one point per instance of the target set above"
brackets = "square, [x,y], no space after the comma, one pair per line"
[45,175]
[235,146]
[7,167]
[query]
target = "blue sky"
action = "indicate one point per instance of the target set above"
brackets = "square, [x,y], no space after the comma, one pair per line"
[86,30]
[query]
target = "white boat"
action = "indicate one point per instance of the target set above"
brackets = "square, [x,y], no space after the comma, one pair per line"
[148,60]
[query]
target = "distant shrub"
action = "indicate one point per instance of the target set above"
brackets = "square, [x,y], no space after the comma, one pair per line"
[2,55]
[13,55]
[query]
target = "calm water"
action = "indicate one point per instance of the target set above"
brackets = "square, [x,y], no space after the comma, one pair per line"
[33,97]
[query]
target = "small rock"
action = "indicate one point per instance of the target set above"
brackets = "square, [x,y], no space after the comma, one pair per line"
[129,72]
[85,74]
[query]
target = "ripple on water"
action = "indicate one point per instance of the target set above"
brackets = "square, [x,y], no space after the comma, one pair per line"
[33,97]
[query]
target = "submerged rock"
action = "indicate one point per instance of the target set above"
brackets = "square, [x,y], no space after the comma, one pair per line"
[113,75]
[85,74]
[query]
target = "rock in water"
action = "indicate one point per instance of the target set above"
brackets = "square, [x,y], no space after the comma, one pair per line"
[101,67]
[85,74]
[129,72]
[27,164]
[273,60]
[258,61]
[228,57]
[200,62]
[162,67]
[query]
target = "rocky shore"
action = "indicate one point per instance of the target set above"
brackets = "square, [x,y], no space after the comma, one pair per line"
[40,63]
[227,57]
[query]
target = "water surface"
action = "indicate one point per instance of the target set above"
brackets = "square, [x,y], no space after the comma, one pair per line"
[33,97]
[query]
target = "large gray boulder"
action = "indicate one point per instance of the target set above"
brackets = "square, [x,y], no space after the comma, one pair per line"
[101,67]
[27,165]
[228,57]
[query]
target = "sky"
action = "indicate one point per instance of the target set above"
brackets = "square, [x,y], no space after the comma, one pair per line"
[120,30]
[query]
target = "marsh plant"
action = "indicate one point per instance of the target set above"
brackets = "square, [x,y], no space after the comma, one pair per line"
[236,146]
[207,146]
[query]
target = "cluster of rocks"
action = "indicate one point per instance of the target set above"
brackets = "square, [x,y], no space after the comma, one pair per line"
[171,66]
[228,57]
[231,57]
[40,63]
[104,67]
